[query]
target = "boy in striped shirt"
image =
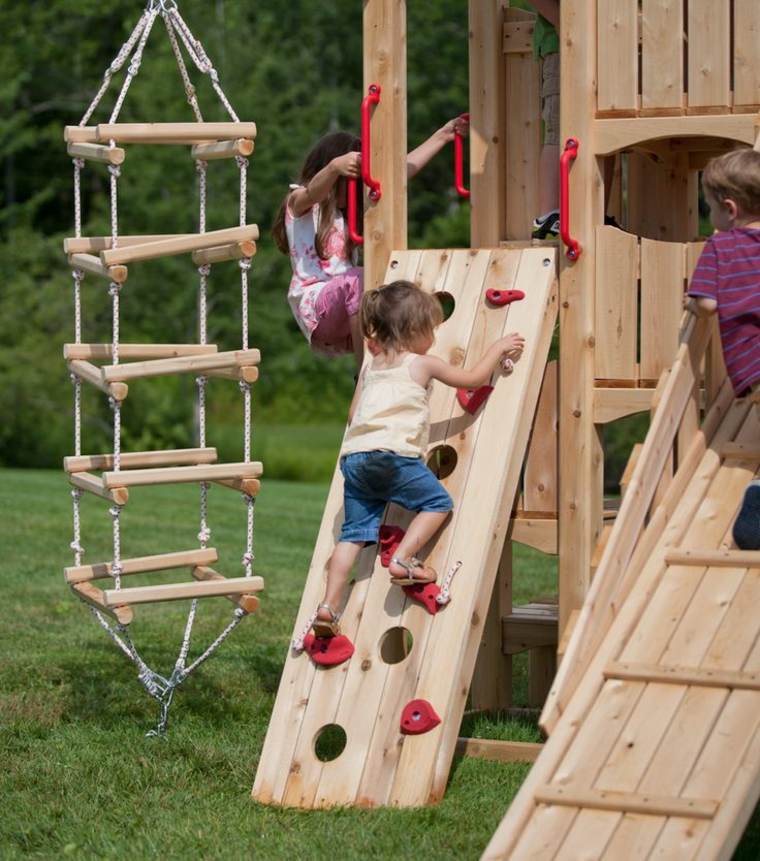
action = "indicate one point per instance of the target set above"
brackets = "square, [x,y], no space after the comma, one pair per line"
[727,281]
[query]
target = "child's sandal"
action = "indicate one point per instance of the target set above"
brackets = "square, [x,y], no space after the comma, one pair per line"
[410,565]
[323,628]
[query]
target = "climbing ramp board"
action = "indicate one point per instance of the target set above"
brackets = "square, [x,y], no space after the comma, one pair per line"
[366,695]
[657,752]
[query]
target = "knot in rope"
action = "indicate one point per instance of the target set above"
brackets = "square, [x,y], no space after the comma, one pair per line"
[78,162]
[76,547]
[245,264]
[77,275]
[116,569]
[244,387]
[115,511]
[205,270]
[114,289]
[114,170]
[75,493]
[200,381]
[204,534]
[112,402]
[247,559]
[74,379]
[201,165]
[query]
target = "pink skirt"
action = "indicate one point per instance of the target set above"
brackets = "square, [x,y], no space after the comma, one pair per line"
[338,300]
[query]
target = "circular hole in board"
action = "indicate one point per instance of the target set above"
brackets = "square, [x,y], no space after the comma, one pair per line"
[396,644]
[329,742]
[448,303]
[442,461]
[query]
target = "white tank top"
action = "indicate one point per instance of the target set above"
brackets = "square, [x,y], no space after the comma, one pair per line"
[393,413]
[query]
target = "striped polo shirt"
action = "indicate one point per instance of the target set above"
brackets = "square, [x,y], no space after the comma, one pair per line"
[728,271]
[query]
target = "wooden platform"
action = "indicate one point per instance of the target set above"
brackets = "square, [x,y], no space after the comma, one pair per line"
[365,696]
[656,753]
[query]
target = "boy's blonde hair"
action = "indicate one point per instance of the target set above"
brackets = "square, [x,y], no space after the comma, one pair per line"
[397,313]
[735,176]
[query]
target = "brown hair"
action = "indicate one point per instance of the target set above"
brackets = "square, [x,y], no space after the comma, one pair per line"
[327,148]
[395,314]
[735,176]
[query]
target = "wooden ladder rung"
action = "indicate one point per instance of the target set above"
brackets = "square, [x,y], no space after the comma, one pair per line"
[220,253]
[740,451]
[96,152]
[89,373]
[180,591]
[249,603]
[94,484]
[142,564]
[706,678]
[104,352]
[222,149]
[180,474]
[245,374]
[94,265]
[133,459]
[626,802]
[163,133]
[178,245]
[181,364]
[714,558]
[96,244]
[248,486]
[94,597]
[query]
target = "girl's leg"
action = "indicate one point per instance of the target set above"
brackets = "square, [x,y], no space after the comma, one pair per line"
[338,571]
[420,531]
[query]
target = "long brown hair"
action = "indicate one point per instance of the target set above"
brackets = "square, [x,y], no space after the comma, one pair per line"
[327,148]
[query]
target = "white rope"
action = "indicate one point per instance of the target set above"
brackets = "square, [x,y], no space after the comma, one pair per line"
[297,642]
[134,66]
[238,616]
[192,98]
[445,594]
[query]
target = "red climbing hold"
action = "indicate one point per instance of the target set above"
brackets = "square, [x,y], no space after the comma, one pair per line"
[472,399]
[328,651]
[426,594]
[417,717]
[504,297]
[390,538]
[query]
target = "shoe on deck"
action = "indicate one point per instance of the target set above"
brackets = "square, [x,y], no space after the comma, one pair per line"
[546,226]
[747,523]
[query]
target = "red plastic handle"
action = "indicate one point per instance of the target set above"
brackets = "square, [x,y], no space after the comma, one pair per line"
[459,162]
[353,190]
[372,98]
[568,156]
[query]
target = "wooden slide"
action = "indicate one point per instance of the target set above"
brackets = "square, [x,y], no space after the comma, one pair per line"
[433,658]
[654,749]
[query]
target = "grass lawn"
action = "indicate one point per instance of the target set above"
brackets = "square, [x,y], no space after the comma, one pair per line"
[79,779]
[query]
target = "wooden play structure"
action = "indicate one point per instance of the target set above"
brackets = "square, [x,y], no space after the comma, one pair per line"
[112,367]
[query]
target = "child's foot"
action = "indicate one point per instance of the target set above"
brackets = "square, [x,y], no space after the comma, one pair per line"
[326,622]
[546,226]
[747,523]
[408,572]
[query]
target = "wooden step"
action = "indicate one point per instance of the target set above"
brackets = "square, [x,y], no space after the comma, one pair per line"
[89,373]
[178,245]
[96,152]
[133,459]
[92,264]
[704,678]
[96,244]
[714,558]
[179,365]
[246,374]
[181,474]
[626,802]
[220,253]
[248,486]
[142,564]
[222,149]
[104,352]
[180,591]
[249,603]
[93,484]
[159,133]
[94,597]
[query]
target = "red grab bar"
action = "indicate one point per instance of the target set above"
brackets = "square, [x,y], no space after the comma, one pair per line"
[352,190]
[569,155]
[372,98]
[459,163]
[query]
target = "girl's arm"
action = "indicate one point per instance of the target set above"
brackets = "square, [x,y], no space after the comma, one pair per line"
[436,369]
[318,187]
[548,9]
[419,157]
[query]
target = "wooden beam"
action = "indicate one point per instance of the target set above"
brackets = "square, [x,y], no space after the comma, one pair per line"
[539,533]
[180,474]
[179,591]
[714,558]
[94,484]
[249,603]
[497,750]
[96,244]
[248,486]
[246,374]
[529,627]
[178,245]
[740,451]
[179,365]
[96,152]
[164,133]
[104,352]
[705,678]
[222,149]
[613,404]
[626,802]
[612,135]
[91,374]
[90,263]
[95,598]
[221,253]
[132,459]
[141,564]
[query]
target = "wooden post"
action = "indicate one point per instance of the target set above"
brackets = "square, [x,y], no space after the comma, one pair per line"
[581,465]
[384,31]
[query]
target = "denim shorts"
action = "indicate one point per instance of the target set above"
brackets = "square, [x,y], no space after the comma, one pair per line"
[372,479]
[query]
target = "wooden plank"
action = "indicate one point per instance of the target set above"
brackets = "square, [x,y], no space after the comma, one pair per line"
[91,374]
[96,244]
[96,152]
[179,474]
[617,264]
[104,352]
[523,631]
[93,484]
[662,289]
[90,263]
[79,134]
[221,253]
[740,451]
[675,675]
[612,135]
[714,558]
[222,149]
[627,802]
[180,365]
[518,32]
[141,564]
[542,667]
[613,404]
[709,71]
[248,486]
[95,598]
[247,602]
[662,48]
[618,55]
[178,245]
[625,479]
[746,53]
[246,374]
[171,132]
[497,750]
[537,532]
[180,591]
[540,480]
[132,459]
